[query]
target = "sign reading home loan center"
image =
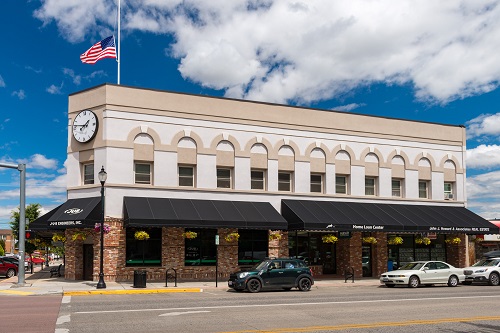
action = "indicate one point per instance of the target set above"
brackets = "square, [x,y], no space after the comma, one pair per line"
[375,227]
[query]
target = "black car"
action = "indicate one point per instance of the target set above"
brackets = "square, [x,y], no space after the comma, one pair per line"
[279,273]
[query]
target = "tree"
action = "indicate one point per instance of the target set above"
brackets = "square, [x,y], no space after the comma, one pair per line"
[2,251]
[32,212]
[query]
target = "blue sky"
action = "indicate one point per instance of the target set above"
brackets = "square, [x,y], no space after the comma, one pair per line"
[434,61]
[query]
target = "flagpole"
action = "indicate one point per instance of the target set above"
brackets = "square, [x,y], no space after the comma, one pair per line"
[119,48]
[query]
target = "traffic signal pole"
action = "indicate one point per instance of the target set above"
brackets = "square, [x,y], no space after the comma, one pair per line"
[22,218]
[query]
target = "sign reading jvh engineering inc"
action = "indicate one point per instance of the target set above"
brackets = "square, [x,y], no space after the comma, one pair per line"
[65,223]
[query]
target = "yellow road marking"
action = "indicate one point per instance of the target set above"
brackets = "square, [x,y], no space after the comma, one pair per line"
[372,325]
[133,291]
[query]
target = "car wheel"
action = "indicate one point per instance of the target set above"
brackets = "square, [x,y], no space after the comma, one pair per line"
[10,273]
[389,285]
[494,280]
[467,283]
[414,282]
[304,284]
[453,281]
[254,286]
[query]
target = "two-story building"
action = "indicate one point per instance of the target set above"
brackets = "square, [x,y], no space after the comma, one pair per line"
[216,181]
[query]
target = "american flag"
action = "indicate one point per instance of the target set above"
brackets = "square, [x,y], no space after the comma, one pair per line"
[103,49]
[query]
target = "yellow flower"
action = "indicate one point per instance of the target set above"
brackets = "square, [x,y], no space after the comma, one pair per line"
[232,237]
[189,234]
[329,238]
[395,241]
[141,235]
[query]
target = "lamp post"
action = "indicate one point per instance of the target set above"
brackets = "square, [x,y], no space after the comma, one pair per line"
[102,178]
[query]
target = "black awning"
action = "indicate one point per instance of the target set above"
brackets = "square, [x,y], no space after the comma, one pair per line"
[354,216]
[74,213]
[190,213]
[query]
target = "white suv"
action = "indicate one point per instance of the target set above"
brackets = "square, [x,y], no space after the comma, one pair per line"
[485,270]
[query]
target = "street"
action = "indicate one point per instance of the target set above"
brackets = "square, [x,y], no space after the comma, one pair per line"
[329,309]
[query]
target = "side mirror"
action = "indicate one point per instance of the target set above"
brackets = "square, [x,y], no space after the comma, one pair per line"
[426,268]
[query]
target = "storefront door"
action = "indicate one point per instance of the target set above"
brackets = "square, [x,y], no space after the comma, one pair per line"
[88,262]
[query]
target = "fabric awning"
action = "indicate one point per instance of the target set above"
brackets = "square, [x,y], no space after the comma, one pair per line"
[369,217]
[190,213]
[74,213]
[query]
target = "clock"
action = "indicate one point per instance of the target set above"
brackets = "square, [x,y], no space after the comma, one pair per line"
[85,126]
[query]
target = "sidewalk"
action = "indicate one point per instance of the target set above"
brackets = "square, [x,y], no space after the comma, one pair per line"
[40,283]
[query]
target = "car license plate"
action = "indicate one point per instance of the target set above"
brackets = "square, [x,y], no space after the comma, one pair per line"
[385,279]
[230,283]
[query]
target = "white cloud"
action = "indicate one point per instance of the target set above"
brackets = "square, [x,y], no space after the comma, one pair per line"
[483,156]
[19,93]
[2,82]
[348,107]
[77,79]
[483,195]
[55,90]
[311,50]
[484,125]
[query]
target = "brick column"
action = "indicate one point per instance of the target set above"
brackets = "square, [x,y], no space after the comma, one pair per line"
[456,254]
[348,254]
[279,247]
[379,254]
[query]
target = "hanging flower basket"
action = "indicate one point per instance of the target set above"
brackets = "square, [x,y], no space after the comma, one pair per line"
[329,238]
[478,240]
[395,241]
[369,240]
[232,237]
[453,241]
[141,235]
[79,235]
[189,235]
[274,236]
[106,229]
[422,241]
[57,237]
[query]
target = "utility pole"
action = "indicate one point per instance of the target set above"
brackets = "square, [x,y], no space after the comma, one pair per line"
[22,217]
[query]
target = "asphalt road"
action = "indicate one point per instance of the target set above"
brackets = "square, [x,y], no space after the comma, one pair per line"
[329,309]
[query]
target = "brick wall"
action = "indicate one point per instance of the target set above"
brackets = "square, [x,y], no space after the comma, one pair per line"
[348,254]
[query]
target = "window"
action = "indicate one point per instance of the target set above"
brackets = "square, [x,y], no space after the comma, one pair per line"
[141,252]
[423,191]
[142,173]
[252,246]
[201,251]
[223,178]
[448,191]
[88,174]
[186,176]
[396,188]
[257,180]
[370,186]
[317,183]
[284,181]
[341,184]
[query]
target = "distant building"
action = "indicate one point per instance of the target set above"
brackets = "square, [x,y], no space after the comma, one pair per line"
[7,236]
[189,169]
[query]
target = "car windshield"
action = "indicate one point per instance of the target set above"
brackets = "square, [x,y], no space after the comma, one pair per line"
[260,265]
[486,262]
[412,266]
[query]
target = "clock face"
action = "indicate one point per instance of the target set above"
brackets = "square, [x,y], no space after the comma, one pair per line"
[85,126]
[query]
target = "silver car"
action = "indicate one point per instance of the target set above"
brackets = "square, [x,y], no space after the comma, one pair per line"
[417,273]
[485,270]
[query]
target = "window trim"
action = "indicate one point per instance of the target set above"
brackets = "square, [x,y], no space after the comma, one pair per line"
[290,181]
[400,188]
[150,173]
[321,183]
[345,184]
[374,186]
[426,183]
[225,179]
[192,178]
[84,174]
[252,179]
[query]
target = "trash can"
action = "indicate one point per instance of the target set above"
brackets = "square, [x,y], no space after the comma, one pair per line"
[139,279]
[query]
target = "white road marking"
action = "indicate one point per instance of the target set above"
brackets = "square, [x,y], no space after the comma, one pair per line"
[66,299]
[288,304]
[180,313]
[61,330]
[63,319]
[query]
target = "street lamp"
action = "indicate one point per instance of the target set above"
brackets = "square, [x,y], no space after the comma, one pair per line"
[102,178]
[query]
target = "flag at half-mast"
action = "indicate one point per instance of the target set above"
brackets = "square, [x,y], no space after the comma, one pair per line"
[103,49]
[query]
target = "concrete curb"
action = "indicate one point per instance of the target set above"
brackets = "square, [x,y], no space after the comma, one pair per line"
[132,291]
